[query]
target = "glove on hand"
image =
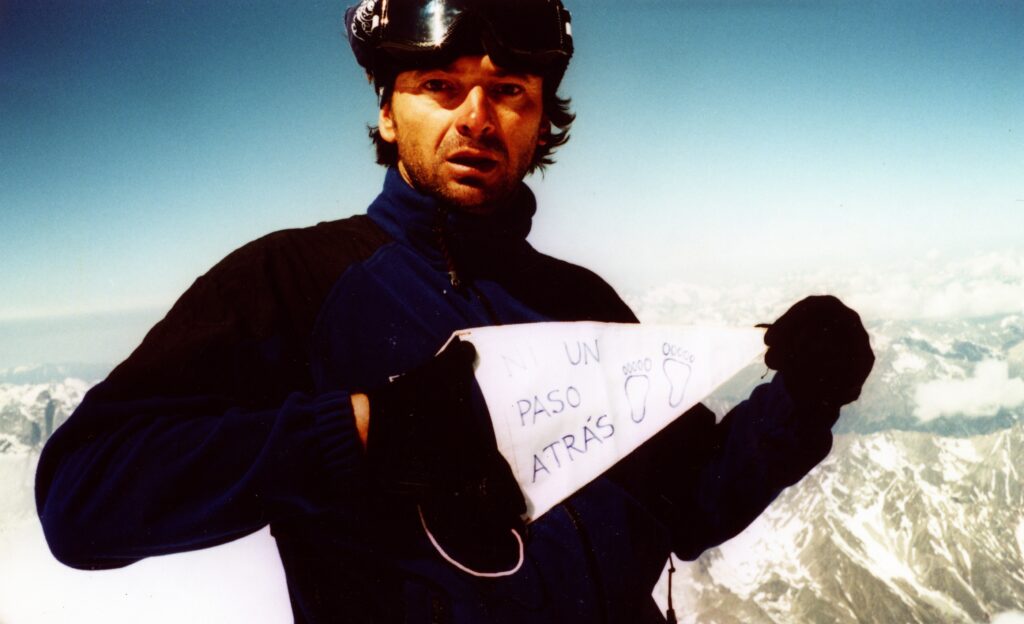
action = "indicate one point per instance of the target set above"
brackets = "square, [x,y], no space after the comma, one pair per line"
[427,443]
[822,350]
[474,526]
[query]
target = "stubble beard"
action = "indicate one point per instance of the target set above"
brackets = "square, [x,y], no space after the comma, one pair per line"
[463,195]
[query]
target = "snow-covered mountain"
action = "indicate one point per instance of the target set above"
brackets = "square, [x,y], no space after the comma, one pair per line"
[894,526]
[953,376]
[30,412]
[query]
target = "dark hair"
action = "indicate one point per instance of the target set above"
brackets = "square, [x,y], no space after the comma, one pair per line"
[556,111]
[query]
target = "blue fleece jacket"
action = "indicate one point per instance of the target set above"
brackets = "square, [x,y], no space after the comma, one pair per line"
[234,413]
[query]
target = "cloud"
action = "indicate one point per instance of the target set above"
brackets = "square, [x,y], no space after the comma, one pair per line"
[990,389]
[1009,617]
[981,286]
[936,287]
[929,287]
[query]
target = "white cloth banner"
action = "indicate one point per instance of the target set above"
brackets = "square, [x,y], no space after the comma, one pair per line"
[569,400]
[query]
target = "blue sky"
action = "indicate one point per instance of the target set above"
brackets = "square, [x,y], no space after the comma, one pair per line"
[715,142]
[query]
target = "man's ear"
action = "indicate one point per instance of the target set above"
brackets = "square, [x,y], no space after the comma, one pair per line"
[386,123]
[545,132]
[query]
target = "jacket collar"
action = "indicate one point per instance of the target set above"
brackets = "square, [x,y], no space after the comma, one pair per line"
[477,243]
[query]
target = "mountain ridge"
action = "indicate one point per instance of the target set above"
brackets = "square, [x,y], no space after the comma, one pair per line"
[892,527]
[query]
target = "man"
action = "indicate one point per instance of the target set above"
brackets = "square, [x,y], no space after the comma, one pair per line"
[296,383]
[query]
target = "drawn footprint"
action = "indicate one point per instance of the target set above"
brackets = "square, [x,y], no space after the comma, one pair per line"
[678,374]
[637,387]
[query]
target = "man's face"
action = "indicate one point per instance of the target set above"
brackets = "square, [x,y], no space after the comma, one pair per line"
[466,133]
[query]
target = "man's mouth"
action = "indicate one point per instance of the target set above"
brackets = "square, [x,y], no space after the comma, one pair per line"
[473,161]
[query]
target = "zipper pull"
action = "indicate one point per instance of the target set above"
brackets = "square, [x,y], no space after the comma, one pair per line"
[670,614]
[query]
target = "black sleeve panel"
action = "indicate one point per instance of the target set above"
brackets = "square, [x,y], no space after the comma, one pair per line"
[566,292]
[209,430]
[242,328]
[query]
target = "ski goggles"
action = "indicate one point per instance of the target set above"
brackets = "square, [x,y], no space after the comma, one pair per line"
[532,31]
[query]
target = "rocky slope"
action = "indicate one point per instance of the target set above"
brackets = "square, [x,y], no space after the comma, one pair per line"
[892,527]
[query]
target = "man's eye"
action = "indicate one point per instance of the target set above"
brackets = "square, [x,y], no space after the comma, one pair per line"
[436,85]
[509,89]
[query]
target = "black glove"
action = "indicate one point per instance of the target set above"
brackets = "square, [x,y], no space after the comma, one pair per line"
[822,350]
[474,526]
[428,444]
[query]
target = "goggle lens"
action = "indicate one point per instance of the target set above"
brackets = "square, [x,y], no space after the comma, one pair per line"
[531,27]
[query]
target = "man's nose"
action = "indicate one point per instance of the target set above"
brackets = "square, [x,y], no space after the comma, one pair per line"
[476,119]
